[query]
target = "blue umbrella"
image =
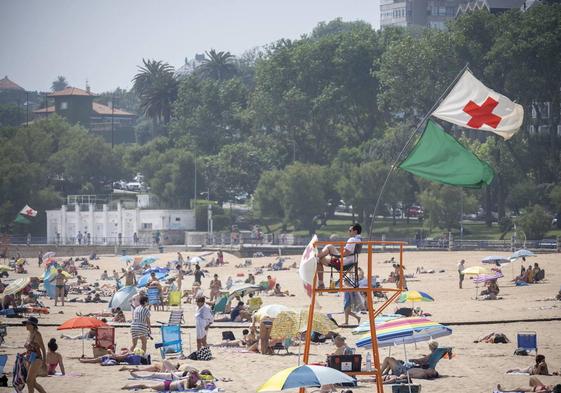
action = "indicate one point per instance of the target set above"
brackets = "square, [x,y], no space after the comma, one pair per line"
[156,269]
[148,260]
[521,253]
[143,281]
[122,298]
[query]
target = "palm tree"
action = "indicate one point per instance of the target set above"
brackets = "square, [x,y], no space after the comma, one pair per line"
[156,86]
[59,84]
[218,65]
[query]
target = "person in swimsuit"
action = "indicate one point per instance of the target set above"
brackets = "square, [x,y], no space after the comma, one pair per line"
[535,386]
[190,380]
[539,368]
[35,354]
[54,358]
[60,281]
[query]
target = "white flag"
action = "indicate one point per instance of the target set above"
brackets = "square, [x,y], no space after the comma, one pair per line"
[471,104]
[28,211]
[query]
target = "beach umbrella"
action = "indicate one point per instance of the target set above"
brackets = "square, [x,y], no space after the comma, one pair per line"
[290,323]
[16,286]
[143,281]
[414,296]
[521,253]
[123,297]
[127,259]
[4,268]
[476,270]
[304,376]
[48,254]
[270,311]
[81,323]
[487,277]
[405,331]
[148,260]
[365,325]
[196,260]
[156,269]
[494,259]
[243,288]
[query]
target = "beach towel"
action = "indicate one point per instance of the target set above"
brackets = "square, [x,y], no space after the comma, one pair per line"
[19,373]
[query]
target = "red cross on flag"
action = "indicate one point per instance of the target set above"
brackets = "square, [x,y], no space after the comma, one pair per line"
[28,211]
[471,104]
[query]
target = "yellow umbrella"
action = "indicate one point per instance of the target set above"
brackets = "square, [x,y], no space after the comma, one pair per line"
[286,325]
[320,323]
[476,270]
[4,268]
[16,286]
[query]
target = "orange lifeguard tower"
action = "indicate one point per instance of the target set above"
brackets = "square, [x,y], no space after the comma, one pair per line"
[369,290]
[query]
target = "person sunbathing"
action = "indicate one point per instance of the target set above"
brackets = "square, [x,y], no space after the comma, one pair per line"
[415,372]
[166,376]
[122,356]
[539,368]
[398,367]
[535,386]
[494,338]
[156,366]
[190,381]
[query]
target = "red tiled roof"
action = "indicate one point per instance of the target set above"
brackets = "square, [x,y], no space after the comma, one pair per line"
[71,91]
[6,84]
[50,109]
[105,110]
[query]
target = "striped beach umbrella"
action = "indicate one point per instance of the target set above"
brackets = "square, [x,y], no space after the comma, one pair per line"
[414,296]
[477,270]
[487,277]
[16,286]
[405,331]
[304,376]
[365,325]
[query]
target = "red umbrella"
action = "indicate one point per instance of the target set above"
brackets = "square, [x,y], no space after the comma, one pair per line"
[82,323]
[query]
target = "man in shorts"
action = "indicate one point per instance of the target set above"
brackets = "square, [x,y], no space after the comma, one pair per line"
[330,256]
[461,268]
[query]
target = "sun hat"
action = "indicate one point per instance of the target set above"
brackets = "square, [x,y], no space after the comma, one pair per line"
[31,321]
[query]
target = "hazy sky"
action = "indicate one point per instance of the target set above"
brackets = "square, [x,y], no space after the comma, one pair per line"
[103,41]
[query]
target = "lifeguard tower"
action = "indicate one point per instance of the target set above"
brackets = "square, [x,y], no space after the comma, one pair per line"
[369,289]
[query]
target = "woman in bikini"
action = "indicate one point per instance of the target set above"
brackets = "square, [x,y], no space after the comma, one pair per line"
[54,358]
[535,386]
[190,380]
[36,354]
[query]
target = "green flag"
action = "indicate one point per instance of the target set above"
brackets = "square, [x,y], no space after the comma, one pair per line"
[21,219]
[439,157]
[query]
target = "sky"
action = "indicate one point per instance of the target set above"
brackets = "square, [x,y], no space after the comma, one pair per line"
[103,41]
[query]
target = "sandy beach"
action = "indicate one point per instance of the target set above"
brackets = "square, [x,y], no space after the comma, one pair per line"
[474,367]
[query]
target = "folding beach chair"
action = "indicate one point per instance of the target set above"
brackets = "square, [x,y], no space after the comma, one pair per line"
[220,305]
[3,361]
[154,297]
[175,318]
[350,270]
[527,341]
[438,354]
[104,341]
[171,344]
[278,347]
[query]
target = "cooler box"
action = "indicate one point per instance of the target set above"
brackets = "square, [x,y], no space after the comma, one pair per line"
[404,388]
[345,363]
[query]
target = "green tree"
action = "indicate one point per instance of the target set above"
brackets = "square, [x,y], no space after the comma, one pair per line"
[156,85]
[267,196]
[11,115]
[535,222]
[218,65]
[443,205]
[555,198]
[59,84]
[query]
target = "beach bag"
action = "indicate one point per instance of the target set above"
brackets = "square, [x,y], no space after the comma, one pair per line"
[521,352]
[201,354]
[317,337]
[228,335]
[19,373]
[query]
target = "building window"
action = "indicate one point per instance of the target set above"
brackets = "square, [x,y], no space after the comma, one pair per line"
[450,11]
[146,225]
[177,219]
[63,105]
[442,11]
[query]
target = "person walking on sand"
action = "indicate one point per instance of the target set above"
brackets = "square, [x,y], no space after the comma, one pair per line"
[35,355]
[60,281]
[203,319]
[461,268]
[140,326]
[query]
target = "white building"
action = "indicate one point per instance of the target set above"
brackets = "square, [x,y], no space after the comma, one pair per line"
[116,222]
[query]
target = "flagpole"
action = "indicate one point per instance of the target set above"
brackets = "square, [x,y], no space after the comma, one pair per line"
[419,125]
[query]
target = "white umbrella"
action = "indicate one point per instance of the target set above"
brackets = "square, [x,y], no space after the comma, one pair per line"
[122,298]
[521,254]
[271,311]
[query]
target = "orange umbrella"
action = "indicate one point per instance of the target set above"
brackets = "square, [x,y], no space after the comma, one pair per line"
[81,323]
